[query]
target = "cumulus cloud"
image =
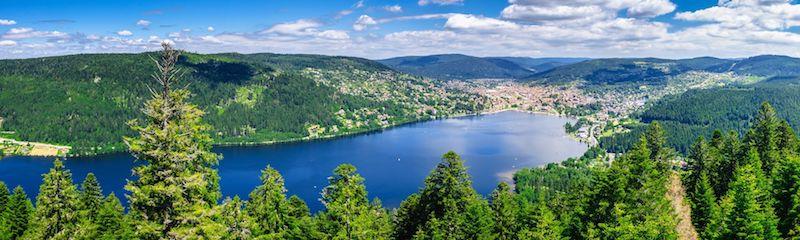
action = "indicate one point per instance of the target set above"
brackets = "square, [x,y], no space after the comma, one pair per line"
[583,11]
[7,22]
[210,29]
[394,8]
[363,22]
[124,33]
[297,28]
[439,2]
[23,33]
[6,43]
[143,23]
[300,30]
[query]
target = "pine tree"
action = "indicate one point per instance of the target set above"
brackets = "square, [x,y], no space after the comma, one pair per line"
[539,222]
[20,211]
[268,206]
[765,137]
[348,214]
[4,198]
[56,205]
[176,187]
[787,196]
[657,144]
[787,139]
[699,155]
[703,203]
[447,193]
[91,197]
[237,222]
[505,211]
[748,217]
[110,220]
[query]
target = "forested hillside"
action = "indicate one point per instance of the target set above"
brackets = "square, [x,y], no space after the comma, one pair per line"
[456,66]
[699,112]
[656,71]
[83,101]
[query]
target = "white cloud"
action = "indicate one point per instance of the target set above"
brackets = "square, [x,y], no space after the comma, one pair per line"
[143,23]
[359,4]
[210,29]
[124,33]
[23,33]
[363,22]
[334,35]
[298,28]
[583,12]
[7,43]
[439,2]
[472,22]
[651,8]
[394,8]
[7,22]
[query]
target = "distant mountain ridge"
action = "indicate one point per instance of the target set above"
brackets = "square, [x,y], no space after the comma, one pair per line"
[458,66]
[626,70]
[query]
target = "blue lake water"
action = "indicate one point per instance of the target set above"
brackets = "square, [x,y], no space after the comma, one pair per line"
[394,162]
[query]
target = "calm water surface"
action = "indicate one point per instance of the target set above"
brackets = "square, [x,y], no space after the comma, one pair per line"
[394,162]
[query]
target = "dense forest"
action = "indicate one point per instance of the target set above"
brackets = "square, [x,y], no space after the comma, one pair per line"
[81,100]
[699,112]
[617,71]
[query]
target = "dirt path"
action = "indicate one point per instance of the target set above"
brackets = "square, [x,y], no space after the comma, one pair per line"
[677,196]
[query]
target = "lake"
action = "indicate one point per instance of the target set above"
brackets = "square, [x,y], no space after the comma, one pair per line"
[394,162]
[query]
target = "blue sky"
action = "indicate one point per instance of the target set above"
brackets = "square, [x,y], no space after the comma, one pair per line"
[387,28]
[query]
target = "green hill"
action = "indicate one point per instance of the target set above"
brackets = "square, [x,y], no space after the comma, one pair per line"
[699,112]
[81,100]
[655,70]
[456,66]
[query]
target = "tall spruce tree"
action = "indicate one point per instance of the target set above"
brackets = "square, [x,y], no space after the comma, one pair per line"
[176,187]
[787,196]
[18,214]
[110,220]
[505,209]
[765,137]
[236,220]
[91,197]
[748,218]
[447,193]
[268,206]
[57,205]
[348,213]
[703,203]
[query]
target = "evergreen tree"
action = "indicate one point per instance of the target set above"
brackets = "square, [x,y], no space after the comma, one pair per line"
[764,136]
[539,222]
[505,211]
[787,196]
[447,193]
[18,214]
[237,222]
[176,187]
[110,220]
[348,214]
[657,144]
[4,198]
[268,206]
[748,217]
[56,205]
[703,203]
[91,197]
[787,138]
